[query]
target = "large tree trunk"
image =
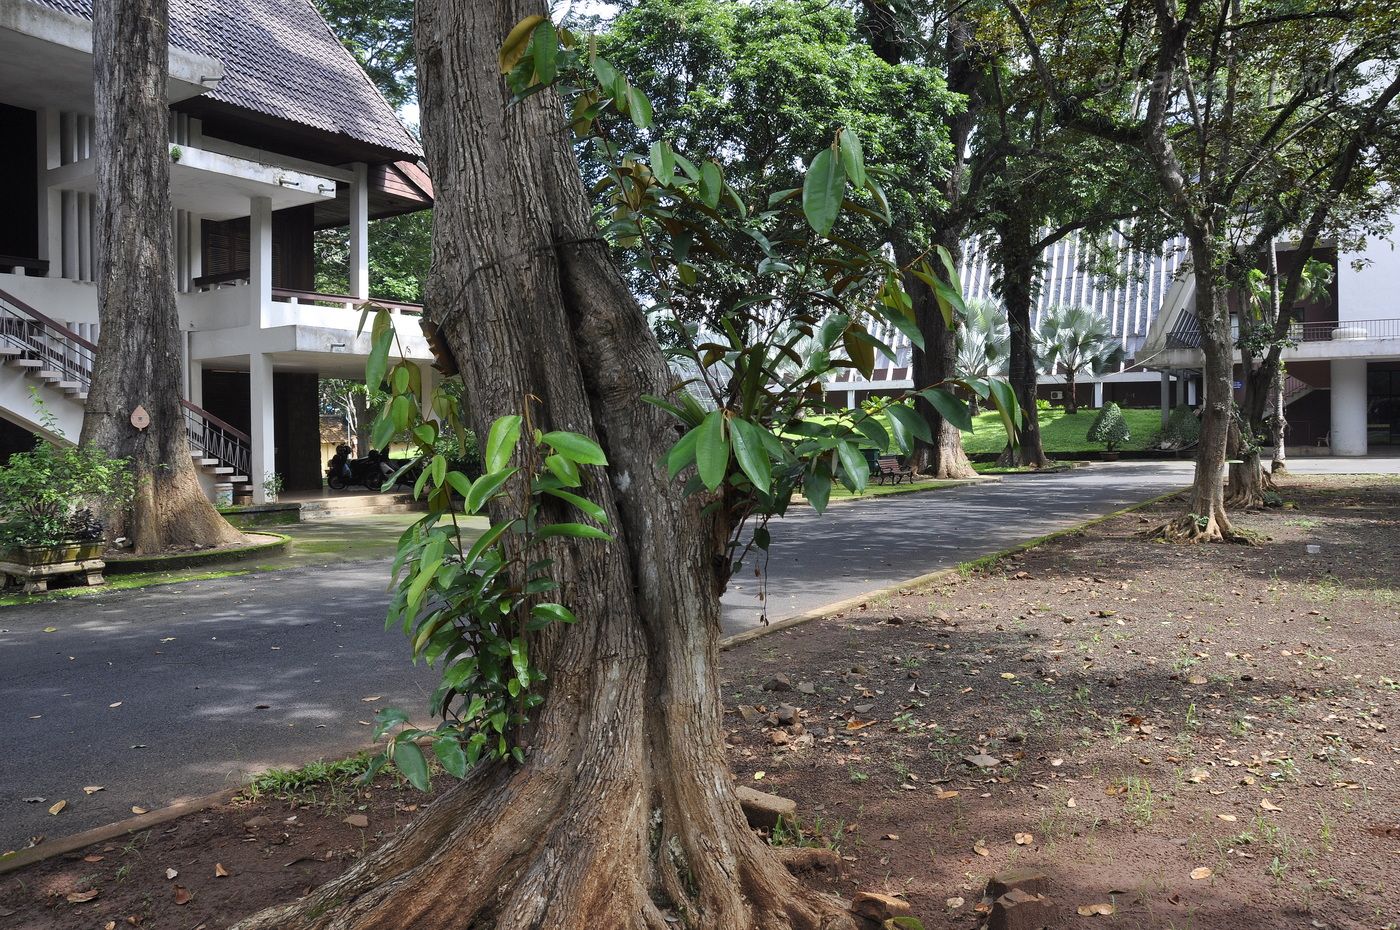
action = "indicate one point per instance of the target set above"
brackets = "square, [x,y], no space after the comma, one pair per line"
[623,814]
[1017,294]
[138,357]
[1248,480]
[1071,392]
[937,362]
[1206,519]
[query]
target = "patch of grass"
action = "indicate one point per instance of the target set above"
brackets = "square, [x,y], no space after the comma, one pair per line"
[1061,433]
[305,782]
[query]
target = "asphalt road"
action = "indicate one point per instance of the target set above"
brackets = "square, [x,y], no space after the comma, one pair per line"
[156,695]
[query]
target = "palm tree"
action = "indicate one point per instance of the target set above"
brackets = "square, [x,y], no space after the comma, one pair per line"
[1072,340]
[984,343]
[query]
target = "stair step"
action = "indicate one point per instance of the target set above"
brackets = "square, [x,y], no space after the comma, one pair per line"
[9,351]
[50,375]
[26,363]
[238,479]
[69,386]
[199,459]
[223,470]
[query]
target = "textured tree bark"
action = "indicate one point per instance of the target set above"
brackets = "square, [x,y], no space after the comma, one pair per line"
[623,814]
[1206,519]
[936,363]
[1017,286]
[138,357]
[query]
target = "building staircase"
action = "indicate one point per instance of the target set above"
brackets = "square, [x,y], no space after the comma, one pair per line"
[42,359]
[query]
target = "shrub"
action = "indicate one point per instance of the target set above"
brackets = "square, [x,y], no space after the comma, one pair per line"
[1183,428]
[47,495]
[1110,428]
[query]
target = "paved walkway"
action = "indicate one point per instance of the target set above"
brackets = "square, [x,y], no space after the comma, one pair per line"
[159,694]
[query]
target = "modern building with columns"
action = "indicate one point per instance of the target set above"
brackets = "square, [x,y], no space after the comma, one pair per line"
[275,133]
[1342,393]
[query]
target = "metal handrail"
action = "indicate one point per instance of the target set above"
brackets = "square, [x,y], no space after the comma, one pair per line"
[73,357]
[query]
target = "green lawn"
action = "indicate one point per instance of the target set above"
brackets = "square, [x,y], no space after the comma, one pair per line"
[1061,433]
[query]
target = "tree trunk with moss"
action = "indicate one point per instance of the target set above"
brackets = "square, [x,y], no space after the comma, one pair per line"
[138,354]
[623,814]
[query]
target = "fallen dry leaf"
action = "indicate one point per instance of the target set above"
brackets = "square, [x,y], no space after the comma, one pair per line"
[945,795]
[357,820]
[139,810]
[371,698]
[1069,803]
[170,874]
[1201,873]
[93,857]
[1089,910]
[220,871]
[1268,805]
[82,897]
[980,848]
[954,903]
[182,895]
[1024,839]
[1228,818]
[93,789]
[58,807]
[115,704]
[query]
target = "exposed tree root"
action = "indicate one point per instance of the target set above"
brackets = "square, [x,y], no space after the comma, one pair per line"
[1193,528]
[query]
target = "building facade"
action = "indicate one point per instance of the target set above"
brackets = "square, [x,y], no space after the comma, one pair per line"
[275,133]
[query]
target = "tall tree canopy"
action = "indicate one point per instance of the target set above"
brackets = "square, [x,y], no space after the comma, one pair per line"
[1241,110]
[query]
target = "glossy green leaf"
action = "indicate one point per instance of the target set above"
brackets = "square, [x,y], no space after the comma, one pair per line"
[459,483]
[816,487]
[663,162]
[577,530]
[563,469]
[949,407]
[750,453]
[682,454]
[486,487]
[907,426]
[822,191]
[575,447]
[587,506]
[545,48]
[853,465]
[555,613]
[852,157]
[638,107]
[409,759]
[712,450]
[501,442]
[448,750]
[711,184]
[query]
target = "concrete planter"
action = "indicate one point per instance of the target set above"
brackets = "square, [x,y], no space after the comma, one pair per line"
[33,566]
[50,555]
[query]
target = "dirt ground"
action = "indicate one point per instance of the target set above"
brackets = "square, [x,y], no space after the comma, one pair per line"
[1183,737]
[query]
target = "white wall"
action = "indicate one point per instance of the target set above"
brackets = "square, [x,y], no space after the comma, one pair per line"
[1373,293]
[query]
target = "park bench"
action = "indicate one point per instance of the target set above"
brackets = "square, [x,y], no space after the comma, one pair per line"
[888,468]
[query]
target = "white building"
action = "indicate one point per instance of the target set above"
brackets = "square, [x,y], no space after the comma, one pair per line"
[275,133]
[1343,387]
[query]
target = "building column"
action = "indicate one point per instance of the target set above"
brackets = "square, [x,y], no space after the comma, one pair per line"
[195,386]
[850,400]
[1180,391]
[359,232]
[1190,391]
[1348,406]
[1166,397]
[1098,394]
[50,155]
[264,458]
[259,257]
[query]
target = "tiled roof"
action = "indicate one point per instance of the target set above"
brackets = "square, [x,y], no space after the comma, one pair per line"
[281,59]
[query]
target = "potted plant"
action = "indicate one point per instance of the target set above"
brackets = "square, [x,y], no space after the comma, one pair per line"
[47,501]
[272,486]
[1110,427]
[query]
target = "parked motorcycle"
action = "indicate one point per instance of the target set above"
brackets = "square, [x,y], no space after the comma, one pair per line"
[370,472]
